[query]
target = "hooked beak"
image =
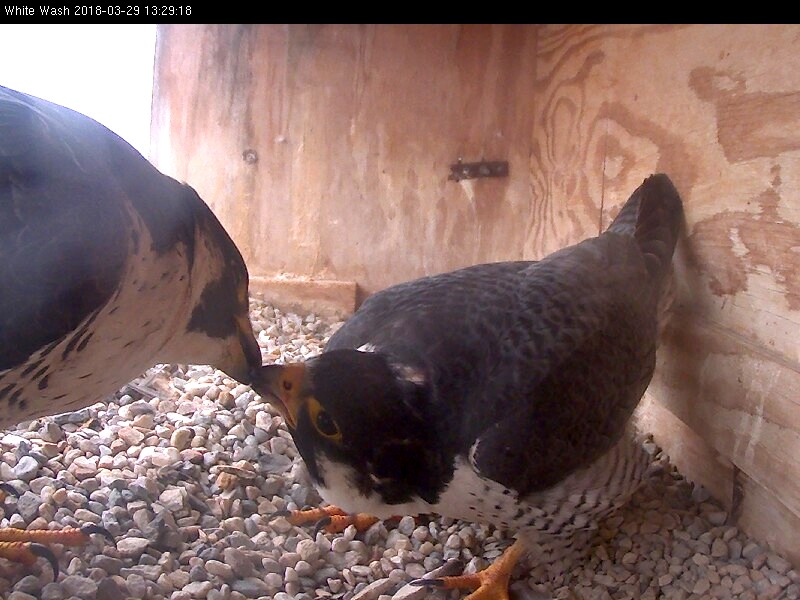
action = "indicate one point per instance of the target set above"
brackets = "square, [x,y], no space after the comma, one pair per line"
[244,354]
[281,385]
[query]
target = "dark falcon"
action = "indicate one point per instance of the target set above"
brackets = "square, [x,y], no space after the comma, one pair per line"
[107,267]
[499,393]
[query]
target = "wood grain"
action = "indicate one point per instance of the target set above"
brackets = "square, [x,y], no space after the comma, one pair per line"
[354,128]
[742,397]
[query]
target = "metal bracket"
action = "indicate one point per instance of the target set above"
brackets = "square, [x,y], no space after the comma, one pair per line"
[474,170]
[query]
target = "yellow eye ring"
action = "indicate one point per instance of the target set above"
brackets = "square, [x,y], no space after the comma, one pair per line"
[323,422]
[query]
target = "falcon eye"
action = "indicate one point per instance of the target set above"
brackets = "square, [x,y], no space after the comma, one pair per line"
[323,422]
[326,425]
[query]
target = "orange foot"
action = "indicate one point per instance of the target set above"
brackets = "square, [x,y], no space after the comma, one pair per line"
[330,519]
[25,546]
[489,584]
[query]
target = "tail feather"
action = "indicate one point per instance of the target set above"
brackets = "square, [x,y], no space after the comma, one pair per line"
[653,216]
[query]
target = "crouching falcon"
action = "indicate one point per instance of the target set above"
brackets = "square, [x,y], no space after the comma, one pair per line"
[107,267]
[498,393]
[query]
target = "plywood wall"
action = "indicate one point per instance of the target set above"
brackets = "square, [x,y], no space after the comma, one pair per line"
[325,150]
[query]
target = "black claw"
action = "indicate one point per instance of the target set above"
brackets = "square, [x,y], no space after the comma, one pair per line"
[321,524]
[90,528]
[280,513]
[9,489]
[43,551]
[428,582]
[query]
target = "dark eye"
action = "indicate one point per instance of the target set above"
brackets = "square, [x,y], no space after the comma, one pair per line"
[326,425]
[287,385]
[322,421]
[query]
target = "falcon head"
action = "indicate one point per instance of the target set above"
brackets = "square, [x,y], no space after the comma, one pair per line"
[361,424]
[217,329]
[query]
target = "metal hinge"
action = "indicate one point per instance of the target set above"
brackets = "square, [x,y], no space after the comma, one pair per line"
[474,170]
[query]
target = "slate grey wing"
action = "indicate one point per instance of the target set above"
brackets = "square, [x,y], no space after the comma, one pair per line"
[598,349]
[567,390]
[63,245]
[422,317]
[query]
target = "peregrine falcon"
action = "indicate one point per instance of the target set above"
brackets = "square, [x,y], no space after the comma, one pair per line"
[107,267]
[498,393]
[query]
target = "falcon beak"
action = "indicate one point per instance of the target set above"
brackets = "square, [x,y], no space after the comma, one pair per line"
[244,354]
[282,384]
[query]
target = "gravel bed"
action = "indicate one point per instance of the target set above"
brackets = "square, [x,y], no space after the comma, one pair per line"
[185,467]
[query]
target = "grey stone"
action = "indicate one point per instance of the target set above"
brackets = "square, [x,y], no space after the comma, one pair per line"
[109,564]
[28,506]
[26,469]
[132,547]
[251,587]
[304,569]
[219,569]
[107,589]
[28,584]
[198,589]
[179,579]
[239,562]
[53,591]
[78,416]
[173,499]
[269,565]
[751,550]
[778,563]
[137,585]
[274,464]
[38,483]
[149,572]
[76,585]
[375,589]
[198,573]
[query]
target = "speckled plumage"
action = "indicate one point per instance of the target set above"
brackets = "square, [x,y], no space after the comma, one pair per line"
[500,392]
[107,266]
